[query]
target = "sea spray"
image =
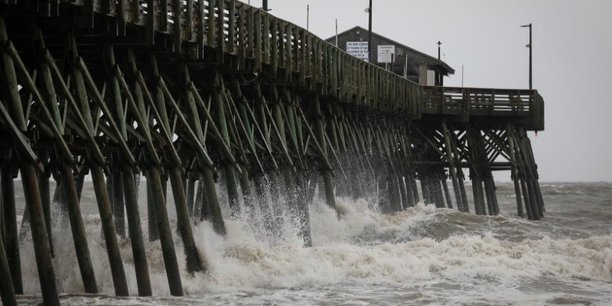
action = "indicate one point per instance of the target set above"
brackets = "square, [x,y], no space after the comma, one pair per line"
[424,254]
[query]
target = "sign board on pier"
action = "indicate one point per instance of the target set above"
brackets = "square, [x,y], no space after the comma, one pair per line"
[358,49]
[386,53]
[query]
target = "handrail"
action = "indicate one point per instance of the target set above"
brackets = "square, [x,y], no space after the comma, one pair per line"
[485,102]
[292,53]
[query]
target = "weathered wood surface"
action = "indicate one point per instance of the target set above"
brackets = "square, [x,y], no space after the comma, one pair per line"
[525,106]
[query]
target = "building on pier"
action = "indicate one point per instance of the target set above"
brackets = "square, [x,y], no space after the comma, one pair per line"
[394,56]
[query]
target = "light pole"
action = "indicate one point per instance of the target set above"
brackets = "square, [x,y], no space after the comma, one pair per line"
[439,74]
[307,17]
[530,46]
[265,5]
[369,10]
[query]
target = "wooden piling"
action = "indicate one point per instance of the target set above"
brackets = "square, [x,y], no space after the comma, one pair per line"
[165,233]
[452,169]
[68,189]
[10,228]
[449,201]
[194,262]
[231,182]
[515,173]
[191,195]
[139,254]
[45,197]
[437,187]
[492,204]
[116,196]
[151,216]
[479,205]
[7,291]
[320,131]
[81,81]
[210,208]
[40,239]
[303,209]
[78,230]
[110,234]
[276,204]
[42,249]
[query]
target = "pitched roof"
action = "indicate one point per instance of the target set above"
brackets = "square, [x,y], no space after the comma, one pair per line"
[414,56]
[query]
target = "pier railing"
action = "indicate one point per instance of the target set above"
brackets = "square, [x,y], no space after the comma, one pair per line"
[263,43]
[258,41]
[485,102]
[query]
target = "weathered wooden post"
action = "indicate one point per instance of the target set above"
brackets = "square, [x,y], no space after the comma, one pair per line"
[210,207]
[303,214]
[320,133]
[69,190]
[437,187]
[141,268]
[151,216]
[531,171]
[261,182]
[444,180]
[230,174]
[515,173]
[490,191]
[116,196]
[11,248]
[40,239]
[173,165]
[412,193]
[452,168]
[165,233]
[7,290]
[521,171]
[239,105]
[82,81]
[479,206]
[191,193]
[45,195]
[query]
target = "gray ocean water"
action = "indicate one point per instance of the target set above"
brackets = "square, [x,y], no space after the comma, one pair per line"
[422,256]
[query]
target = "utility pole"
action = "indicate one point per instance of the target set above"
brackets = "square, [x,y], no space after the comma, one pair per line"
[336,32]
[307,17]
[439,74]
[370,33]
[530,46]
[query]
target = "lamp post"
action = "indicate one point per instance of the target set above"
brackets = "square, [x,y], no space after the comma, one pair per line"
[530,46]
[369,11]
[265,5]
[438,73]
[307,17]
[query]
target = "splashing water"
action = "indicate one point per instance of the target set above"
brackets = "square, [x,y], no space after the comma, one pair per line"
[422,255]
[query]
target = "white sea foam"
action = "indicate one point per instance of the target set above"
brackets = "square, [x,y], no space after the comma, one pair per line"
[361,247]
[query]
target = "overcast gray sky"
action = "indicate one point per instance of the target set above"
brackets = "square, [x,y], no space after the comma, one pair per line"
[572,45]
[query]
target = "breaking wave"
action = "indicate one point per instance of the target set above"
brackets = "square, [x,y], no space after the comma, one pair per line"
[423,248]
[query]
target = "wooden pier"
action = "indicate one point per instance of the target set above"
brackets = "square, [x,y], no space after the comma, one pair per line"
[200,93]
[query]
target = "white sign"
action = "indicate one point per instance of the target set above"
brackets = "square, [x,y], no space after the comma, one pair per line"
[358,49]
[386,53]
